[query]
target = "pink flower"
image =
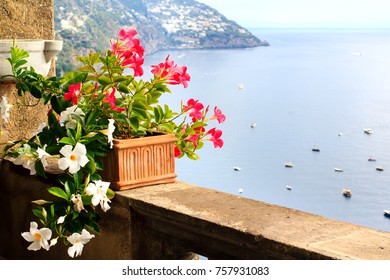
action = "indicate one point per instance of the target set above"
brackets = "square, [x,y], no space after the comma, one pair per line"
[193,138]
[73,93]
[177,152]
[215,137]
[174,74]
[194,109]
[218,115]
[129,50]
[127,35]
[110,98]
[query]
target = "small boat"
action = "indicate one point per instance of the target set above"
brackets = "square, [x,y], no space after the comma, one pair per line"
[236,168]
[338,170]
[386,213]
[288,187]
[379,168]
[253,125]
[315,149]
[371,159]
[368,131]
[340,134]
[347,192]
[289,164]
[240,190]
[241,86]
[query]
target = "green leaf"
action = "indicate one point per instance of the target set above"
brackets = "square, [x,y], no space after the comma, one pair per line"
[91,165]
[36,91]
[58,192]
[123,88]
[192,155]
[93,227]
[104,81]
[69,188]
[79,131]
[110,194]
[39,168]
[37,211]
[140,110]
[167,127]
[134,122]
[157,114]
[68,141]
[73,78]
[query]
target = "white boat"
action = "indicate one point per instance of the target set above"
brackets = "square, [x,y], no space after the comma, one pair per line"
[289,164]
[288,187]
[338,170]
[347,192]
[253,125]
[241,86]
[379,168]
[368,131]
[386,213]
[236,168]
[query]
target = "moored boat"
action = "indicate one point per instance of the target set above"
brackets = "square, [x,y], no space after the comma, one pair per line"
[368,131]
[347,192]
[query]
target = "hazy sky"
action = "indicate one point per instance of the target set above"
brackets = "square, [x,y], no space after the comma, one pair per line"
[306,13]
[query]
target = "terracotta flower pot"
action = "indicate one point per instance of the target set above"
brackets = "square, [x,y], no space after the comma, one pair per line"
[140,162]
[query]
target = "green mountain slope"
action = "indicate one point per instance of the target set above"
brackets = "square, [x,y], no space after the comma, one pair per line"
[88,25]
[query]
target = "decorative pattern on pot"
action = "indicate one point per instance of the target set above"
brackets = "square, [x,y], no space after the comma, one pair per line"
[140,162]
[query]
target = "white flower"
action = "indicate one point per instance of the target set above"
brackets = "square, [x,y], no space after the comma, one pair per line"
[40,128]
[26,158]
[38,237]
[43,155]
[111,129]
[73,159]
[78,241]
[61,220]
[67,118]
[109,132]
[4,108]
[98,190]
[78,202]
[53,241]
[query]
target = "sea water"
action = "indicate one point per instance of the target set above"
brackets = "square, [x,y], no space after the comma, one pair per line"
[309,89]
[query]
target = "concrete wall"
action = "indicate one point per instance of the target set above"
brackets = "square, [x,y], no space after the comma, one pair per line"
[23,19]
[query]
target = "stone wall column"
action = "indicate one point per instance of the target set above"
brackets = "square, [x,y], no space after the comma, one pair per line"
[23,19]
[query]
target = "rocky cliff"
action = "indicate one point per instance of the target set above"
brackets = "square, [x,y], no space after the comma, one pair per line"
[86,25]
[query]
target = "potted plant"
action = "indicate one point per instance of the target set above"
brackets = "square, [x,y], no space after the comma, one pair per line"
[92,110]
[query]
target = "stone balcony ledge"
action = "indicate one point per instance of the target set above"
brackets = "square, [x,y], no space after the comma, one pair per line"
[180,220]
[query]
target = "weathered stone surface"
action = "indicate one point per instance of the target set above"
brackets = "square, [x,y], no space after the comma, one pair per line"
[221,225]
[174,221]
[26,19]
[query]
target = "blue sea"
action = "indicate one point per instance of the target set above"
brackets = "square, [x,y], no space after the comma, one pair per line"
[314,88]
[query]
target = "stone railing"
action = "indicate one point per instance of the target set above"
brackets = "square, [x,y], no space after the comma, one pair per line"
[182,221]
